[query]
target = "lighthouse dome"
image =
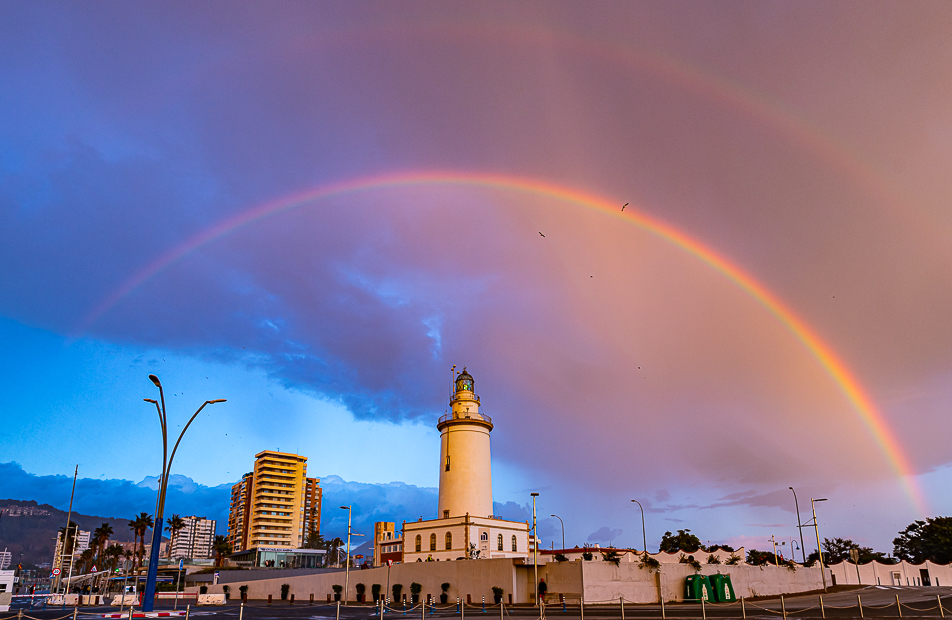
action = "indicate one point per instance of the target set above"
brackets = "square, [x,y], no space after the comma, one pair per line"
[464,381]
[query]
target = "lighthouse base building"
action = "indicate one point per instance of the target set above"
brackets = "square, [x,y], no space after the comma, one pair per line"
[465,527]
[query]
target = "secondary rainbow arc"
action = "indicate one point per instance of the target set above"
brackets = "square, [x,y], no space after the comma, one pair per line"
[847,383]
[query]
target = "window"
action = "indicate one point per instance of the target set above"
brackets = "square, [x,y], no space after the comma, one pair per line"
[449,541]
[499,542]
[447,462]
[446,514]
[419,543]
[432,542]
[514,547]
[484,536]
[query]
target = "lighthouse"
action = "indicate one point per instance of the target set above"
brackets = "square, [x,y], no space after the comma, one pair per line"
[465,466]
[465,527]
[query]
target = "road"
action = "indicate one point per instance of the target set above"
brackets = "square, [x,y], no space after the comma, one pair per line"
[877,601]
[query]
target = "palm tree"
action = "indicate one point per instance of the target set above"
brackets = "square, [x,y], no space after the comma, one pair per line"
[139,526]
[176,523]
[101,535]
[86,557]
[221,548]
[113,552]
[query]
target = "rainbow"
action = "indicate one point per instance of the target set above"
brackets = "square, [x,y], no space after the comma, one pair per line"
[860,402]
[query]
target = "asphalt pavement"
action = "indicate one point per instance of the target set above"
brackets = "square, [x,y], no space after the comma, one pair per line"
[840,603]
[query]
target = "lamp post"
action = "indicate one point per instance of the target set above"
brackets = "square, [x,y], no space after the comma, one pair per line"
[347,565]
[819,549]
[563,530]
[644,537]
[535,550]
[149,595]
[800,527]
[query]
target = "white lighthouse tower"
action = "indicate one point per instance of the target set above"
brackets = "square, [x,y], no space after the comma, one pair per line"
[465,467]
[464,528]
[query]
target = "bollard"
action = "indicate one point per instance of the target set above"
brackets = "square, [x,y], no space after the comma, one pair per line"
[562,596]
[462,609]
[423,608]
[338,610]
[291,602]
[703,608]
[76,612]
[941,611]
[621,601]
[20,614]
[241,610]
[743,608]
[484,604]
[581,606]
[859,602]
[898,606]
[131,607]
[457,604]
[822,608]
[188,610]
[501,605]
[404,605]
[312,599]
[783,607]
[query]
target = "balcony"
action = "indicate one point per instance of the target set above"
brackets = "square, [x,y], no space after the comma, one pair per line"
[479,417]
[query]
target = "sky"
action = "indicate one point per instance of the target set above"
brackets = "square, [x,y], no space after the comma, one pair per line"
[693,254]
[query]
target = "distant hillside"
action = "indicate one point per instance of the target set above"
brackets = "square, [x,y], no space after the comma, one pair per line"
[30,528]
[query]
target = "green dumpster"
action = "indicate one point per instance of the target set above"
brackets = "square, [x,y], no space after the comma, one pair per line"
[696,588]
[722,590]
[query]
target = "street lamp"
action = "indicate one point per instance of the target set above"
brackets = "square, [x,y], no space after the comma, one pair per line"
[563,530]
[535,549]
[644,537]
[819,549]
[147,601]
[800,526]
[347,565]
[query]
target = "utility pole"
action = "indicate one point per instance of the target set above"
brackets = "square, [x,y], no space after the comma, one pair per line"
[819,549]
[535,549]
[800,527]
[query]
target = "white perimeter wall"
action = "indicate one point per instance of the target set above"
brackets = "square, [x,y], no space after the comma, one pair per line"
[875,573]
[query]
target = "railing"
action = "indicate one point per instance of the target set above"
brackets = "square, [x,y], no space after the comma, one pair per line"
[475,416]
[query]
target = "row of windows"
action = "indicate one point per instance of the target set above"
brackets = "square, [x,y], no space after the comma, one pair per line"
[449,542]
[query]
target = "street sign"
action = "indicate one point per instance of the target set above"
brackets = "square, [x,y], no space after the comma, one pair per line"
[389,563]
[126,565]
[181,564]
[854,555]
[56,572]
[94,569]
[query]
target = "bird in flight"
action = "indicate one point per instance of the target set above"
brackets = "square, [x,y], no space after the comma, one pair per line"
[541,235]
[623,206]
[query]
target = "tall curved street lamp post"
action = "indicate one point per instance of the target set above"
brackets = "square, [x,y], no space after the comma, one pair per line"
[149,595]
[644,537]
[563,530]
[800,527]
[347,564]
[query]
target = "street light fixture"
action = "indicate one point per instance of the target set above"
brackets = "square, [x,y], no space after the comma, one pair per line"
[149,595]
[799,526]
[563,530]
[819,549]
[535,549]
[644,537]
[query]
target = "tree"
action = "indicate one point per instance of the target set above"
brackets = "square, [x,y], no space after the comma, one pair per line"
[315,540]
[925,540]
[176,523]
[101,536]
[684,541]
[759,558]
[221,547]
[139,526]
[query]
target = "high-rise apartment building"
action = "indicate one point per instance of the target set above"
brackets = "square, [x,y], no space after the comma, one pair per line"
[195,540]
[276,505]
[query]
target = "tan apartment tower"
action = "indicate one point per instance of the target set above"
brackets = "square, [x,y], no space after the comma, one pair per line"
[276,505]
[465,467]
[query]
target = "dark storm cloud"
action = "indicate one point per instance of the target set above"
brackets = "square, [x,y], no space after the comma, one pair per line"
[604,534]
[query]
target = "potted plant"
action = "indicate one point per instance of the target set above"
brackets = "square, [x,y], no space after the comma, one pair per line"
[444,596]
[497,594]
[337,590]
[415,589]
[587,556]
[285,588]
[361,588]
[225,589]
[244,593]
[375,591]
[396,589]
